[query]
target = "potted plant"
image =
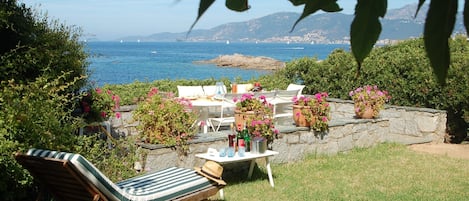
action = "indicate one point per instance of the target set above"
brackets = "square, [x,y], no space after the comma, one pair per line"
[164,119]
[98,106]
[368,101]
[256,115]
[262,128]
[313,112]
[249,106]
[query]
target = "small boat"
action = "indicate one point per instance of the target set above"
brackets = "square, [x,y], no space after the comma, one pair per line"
[227,42]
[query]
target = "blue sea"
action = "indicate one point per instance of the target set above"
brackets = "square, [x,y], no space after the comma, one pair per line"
[126,62]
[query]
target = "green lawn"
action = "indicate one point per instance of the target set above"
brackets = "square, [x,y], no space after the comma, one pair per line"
[385,172]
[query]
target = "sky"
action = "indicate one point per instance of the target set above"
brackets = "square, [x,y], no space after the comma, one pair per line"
[112,19]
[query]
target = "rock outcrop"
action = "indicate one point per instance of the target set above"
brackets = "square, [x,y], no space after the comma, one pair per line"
[246,62]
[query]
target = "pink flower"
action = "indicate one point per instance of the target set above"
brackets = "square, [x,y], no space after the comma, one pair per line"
[118,115]
[152,91]
[103,114]
[99,90]
[324,119]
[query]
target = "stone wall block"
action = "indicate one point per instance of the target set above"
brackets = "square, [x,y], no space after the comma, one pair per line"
[307,137]
[359,128]
[345,144]
[330,148]
[364,140]
[427,123]
[339,132]
[293,138]
[161,158]
[283,151]
[397,126]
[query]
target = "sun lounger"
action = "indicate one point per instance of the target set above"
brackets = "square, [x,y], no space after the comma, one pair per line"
[69,176]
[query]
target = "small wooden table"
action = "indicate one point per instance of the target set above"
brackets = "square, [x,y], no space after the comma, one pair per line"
[247,157]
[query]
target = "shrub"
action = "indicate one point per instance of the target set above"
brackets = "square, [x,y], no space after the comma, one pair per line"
[33,115]
[35,46]
[166,120]
[402,69]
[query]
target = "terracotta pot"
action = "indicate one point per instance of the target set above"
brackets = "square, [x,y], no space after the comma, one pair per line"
[242,117]
[367,114]
[299,118]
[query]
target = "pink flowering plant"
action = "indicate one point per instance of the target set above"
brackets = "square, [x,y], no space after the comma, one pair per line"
[98,105]
[369,97]
[164,119]
[261,124]
[248,102]
[262,127]
[317,110]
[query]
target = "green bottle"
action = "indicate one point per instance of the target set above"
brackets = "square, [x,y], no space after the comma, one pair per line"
[240,139]
[247,138]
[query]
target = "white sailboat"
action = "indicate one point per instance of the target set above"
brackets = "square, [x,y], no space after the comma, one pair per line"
[227,42]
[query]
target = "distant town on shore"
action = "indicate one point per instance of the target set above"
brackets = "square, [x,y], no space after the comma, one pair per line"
[325,28]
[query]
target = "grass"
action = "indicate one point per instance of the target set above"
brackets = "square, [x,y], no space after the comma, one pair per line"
[384,172]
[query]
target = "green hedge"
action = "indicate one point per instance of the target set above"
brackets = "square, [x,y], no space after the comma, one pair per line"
[402,69]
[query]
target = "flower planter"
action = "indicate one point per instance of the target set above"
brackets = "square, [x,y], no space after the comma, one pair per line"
[242,117]
[366,114]
[299,118]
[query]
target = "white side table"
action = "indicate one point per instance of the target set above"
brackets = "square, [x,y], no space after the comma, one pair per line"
[248,157]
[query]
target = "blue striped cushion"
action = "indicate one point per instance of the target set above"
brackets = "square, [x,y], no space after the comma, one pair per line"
[166,184]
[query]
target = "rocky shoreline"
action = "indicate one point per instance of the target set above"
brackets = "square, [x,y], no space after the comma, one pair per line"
[245,62]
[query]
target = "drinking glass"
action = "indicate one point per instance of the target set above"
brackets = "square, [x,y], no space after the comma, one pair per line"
[241,151]
[230,152]
[222,152]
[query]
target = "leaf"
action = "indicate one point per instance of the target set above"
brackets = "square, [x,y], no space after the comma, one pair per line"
[297,2]
[366,28]
[203,6]
[439,25]
[237,5]
[421,2]
[313,6]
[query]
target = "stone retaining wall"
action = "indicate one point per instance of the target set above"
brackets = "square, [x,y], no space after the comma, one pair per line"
[405,125]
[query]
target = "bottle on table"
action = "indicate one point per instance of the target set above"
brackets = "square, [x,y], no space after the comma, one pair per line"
[231,143]
[247,140]
[234,88]
[240,138]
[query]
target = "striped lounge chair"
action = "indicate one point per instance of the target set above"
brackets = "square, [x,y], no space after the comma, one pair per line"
[70,176]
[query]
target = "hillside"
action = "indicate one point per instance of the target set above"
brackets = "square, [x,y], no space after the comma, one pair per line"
[324,28]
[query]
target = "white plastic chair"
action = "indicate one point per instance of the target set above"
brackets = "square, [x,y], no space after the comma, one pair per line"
[211,90]
[296,87]
[226,115]
[283,101]
[190,91]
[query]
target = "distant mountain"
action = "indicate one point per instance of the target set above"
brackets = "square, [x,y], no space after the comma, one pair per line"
[324,28]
